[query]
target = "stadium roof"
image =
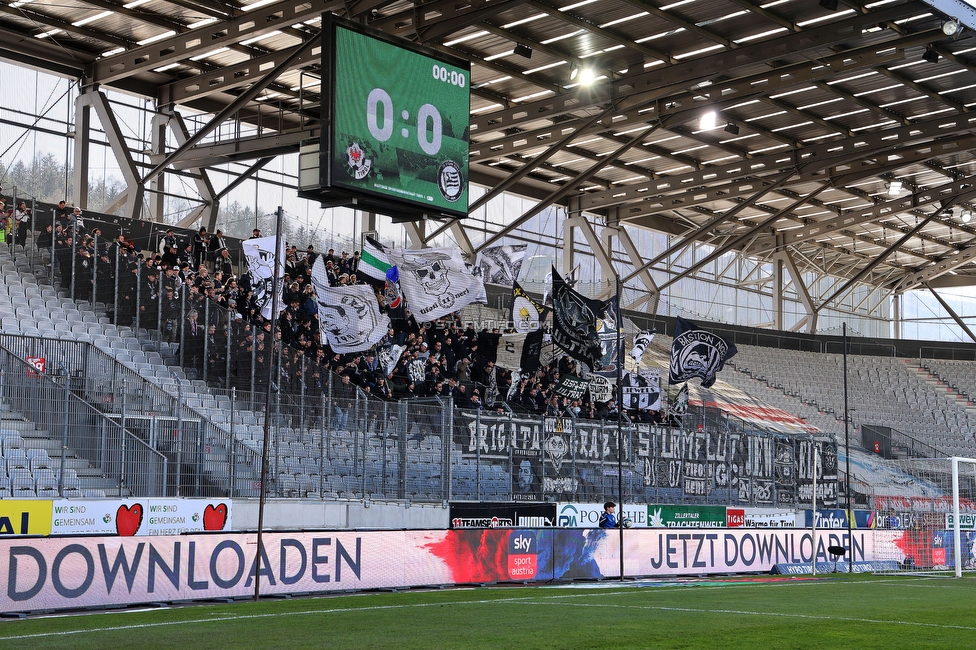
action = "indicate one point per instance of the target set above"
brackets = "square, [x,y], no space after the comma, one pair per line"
[843,131]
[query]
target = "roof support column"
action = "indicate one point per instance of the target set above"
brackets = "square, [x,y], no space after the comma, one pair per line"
[79,175]
[211,202]
[93,98]
[896,315]
[784,260]
[617,229]
[157,202]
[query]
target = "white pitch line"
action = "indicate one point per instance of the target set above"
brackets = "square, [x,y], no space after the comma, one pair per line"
[526,600]
[816,617]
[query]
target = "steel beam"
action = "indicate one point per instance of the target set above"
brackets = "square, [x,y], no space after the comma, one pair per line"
[851,153]
[116,139]
[883,209]
[960,322]
[247,25]
[646,86]
[245,98]
[786,259]
[876,261]
[570,186]
[229,77]
[738,239]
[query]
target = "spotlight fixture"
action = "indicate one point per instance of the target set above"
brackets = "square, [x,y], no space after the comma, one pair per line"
[966,216]
[931,55]
[951,27]
[573,72]
[732,128]
[587,76]
[895,188]
[523,51]
[707,121]
[829,5]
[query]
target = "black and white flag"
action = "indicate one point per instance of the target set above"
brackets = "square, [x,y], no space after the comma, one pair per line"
[601,389]
[417,371]
[642,391]
[680,403]
[641,341]
[697,353]
[349,316]
[527,314]
[261,256]
[520,351]
[388,357]
[492,393]
[574,326]
[436,281]
[502,264]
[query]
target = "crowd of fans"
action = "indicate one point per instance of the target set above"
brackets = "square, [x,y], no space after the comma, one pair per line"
[191,294]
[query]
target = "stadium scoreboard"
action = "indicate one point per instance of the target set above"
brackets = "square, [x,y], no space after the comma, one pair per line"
[395,118]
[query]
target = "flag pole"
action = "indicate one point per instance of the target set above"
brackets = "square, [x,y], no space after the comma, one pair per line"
[275,286]
[847,454]
[620,429]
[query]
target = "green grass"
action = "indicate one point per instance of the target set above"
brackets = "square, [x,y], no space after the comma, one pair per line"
[847,612]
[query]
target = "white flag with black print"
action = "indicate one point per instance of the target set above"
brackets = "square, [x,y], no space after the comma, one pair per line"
[641,341]
[437,281]
[261,264]
[349,316]
[680,403]
[388,357]
[502,264]
[417,371]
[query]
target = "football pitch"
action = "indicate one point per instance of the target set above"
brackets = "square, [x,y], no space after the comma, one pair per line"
[755,612]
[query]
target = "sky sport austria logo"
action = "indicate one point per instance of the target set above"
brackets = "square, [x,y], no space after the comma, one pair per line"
[522,555]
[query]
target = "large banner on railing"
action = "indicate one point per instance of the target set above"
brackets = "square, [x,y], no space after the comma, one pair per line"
[129,517]
[62,573]
[122,517]
[738,467]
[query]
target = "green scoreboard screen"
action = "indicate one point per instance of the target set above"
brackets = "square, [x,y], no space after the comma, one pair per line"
[396,115]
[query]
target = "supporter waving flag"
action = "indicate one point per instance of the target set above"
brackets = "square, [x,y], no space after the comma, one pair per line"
[374,262]
[527,314]
[697,353]
[437,281]
[263,261]
[349,316]
[575,322]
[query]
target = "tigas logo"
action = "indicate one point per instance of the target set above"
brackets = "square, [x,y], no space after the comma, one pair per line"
[735,517]
[568,516]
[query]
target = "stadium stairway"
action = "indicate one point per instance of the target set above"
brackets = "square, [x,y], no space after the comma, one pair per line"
[31,463]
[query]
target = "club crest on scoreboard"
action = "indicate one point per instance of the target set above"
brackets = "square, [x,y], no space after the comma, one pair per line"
[359,164]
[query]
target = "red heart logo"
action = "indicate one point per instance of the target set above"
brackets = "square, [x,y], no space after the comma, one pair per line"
[128,520]
[215,518]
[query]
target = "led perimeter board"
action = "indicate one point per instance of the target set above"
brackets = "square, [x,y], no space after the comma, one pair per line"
[395,123]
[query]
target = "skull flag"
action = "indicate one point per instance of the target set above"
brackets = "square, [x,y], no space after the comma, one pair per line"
[697,353]
[436,281]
